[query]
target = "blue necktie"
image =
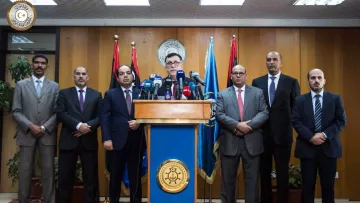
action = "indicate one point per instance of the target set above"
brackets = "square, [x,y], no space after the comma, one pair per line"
[81,100]
[272,90]
[38,88]
[317,114]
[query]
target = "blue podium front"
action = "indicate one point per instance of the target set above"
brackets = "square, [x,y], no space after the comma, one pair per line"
[172,127]
[177,144]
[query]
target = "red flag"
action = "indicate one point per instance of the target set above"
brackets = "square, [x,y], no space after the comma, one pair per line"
[115,64]
[134,66]
[232,60]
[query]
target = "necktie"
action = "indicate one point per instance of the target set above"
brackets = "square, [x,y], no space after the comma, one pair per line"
[128,100]
[241,104]
[174,89]
[38,88]
[81,100]
[317,114]
[272,90]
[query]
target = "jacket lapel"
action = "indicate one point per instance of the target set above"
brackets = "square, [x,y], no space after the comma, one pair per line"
[247,98]
[122,103]
[309,108]
[75,98]
[264,86]
[45,87]
[87,98]
[232,95]
[135,93]
[31,86]
[278,89]
[325,105]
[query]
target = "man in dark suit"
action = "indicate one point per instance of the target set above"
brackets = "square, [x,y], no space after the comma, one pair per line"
[241,111]
[280,91]
[123,137]
[78,110]
[173,63]
[33,111]
[318,117]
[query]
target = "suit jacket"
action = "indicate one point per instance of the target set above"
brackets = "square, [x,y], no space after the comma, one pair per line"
[28,109]
[69,114]
[114,117]
[228,116]
[162,89]
[279,127]
[333,120]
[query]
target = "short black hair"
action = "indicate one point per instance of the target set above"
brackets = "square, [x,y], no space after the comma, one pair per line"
[173,54]
[40,56]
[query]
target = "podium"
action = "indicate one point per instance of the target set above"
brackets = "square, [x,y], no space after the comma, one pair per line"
[172,147]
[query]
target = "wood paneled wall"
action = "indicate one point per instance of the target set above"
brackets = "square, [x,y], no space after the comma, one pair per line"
[336,51]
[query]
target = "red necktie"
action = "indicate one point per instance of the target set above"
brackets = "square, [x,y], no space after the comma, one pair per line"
[174,90]
[241,104]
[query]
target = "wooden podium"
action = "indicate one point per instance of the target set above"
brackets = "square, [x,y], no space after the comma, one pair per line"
[172,147]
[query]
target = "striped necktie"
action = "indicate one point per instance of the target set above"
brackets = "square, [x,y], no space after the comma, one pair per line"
[317,114]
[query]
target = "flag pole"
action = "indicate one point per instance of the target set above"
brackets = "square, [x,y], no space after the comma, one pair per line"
[210,188]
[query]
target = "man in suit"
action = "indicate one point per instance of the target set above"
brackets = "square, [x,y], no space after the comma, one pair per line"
[123,137]
[173,63]
[78,110]
[280,91]
[241,111]
[318,117]
[33,110]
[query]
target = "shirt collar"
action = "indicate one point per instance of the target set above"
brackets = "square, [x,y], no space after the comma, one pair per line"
[237,89]
[41,79]
[77,89]
[123,89]
[277,76]
[313,93]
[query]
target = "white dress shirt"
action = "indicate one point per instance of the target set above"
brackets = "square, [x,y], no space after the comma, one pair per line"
[242,93]
[41,79]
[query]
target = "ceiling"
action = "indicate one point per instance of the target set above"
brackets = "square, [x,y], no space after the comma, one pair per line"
[190,9]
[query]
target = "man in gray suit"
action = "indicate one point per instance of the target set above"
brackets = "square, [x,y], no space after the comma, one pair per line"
[33,110]
[241,111]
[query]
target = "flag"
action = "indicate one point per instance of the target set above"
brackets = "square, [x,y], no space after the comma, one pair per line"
[232,61]
[134,66]
[115,65]
[208,144]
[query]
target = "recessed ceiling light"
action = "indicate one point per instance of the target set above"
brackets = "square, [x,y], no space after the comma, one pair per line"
[127,2]
[41,2]
[317,2]
[221,2]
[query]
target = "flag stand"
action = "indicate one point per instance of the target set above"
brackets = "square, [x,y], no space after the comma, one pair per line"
[210,191]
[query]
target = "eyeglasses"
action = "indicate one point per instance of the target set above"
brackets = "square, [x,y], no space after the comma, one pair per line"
[238,73]
[176,63]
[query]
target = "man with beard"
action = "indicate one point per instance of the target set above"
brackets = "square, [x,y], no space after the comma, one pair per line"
[318,117]
[280,91]
[33,111]
[78,110]
[123,137]
[241,111]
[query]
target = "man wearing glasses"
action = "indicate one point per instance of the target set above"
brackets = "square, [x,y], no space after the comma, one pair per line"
[174,63]
[241,112]
[280,91]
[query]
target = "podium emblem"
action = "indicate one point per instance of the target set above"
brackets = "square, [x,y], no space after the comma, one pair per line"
[21,15]
[173,176]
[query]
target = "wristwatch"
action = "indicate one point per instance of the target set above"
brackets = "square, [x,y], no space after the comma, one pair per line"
[42,128]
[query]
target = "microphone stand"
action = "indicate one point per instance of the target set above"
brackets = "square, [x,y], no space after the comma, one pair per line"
[199,91]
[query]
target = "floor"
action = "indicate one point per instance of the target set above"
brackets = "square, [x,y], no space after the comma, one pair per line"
[7,197]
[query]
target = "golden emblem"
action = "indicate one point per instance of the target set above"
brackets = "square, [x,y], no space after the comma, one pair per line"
[21,15]
[173,176]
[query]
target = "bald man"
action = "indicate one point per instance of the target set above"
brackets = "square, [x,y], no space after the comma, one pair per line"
[279,91]
[241,111]
[77,109]
[318,117]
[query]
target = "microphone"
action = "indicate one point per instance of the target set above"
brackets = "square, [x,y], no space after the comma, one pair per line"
[180,77]
[157,84]
[193,90]
[148,86]
[168,82]
[141,89]
[195,75]
[152,77]
[186,91]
